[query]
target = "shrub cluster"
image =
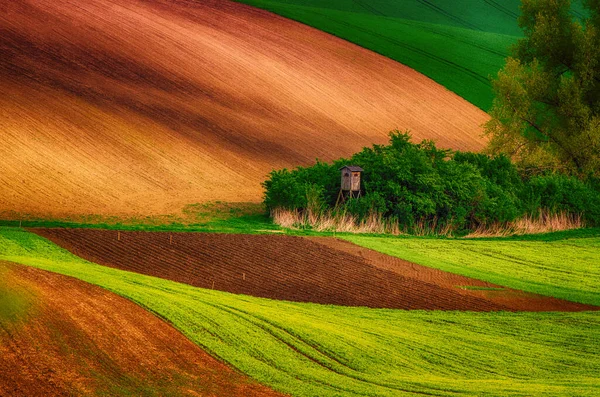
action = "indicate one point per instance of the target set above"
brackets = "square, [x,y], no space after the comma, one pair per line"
[419,183]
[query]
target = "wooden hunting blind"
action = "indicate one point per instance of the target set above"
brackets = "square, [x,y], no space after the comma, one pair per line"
[350,186]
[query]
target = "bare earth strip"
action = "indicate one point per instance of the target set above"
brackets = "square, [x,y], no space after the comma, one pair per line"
[79,339]
[135,107]
[513,299]
[319,270]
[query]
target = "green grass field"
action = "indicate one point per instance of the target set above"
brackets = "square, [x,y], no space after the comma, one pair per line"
[315,350]
[564,268]
[460,44]
[212,217]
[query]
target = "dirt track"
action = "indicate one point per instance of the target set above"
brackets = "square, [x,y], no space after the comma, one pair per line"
[140,107]
[82,340]
[317,270]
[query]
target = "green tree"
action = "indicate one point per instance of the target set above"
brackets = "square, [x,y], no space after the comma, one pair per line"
[547,107]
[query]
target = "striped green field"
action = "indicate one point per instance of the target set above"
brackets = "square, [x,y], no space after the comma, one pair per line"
[460,44]
[565,268]
[315,350]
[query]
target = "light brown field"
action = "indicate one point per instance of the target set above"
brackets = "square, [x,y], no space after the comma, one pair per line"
[140,107]
[75,339]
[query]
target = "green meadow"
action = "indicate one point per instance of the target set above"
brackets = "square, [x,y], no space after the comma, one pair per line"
[211,217]
[316,350]
[566,268]
[460,44]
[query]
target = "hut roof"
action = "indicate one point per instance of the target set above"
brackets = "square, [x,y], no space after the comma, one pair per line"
[352,168]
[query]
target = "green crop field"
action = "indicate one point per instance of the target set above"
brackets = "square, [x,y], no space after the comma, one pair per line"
[564,268]
[460,44]
[315,350]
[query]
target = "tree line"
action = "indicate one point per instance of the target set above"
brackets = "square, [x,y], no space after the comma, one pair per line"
[412,183]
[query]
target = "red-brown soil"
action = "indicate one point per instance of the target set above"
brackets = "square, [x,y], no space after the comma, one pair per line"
[128,107]
[78,339]
[319,270]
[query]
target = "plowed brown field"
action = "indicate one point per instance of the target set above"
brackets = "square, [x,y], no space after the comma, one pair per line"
[78,339]
[139,107]
[324,271]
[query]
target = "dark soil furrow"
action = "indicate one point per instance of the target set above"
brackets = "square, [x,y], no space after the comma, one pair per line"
[319,270]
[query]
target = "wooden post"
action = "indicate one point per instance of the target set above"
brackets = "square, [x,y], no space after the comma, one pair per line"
[213,285]
[340,198]
[118,235]
[20,222]
[170,239]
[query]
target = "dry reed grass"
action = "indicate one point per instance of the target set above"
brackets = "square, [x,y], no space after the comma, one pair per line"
[336,222]
[544,222]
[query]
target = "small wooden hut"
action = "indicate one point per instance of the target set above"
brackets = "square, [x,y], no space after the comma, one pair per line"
[350,185]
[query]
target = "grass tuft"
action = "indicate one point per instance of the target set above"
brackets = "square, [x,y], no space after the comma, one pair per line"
[330,221]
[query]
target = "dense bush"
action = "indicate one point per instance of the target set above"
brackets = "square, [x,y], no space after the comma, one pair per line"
[560,193]
[421,184]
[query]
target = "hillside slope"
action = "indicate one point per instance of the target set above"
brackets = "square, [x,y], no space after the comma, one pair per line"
[322,350]
[139,107]
[70,338]
[460,44]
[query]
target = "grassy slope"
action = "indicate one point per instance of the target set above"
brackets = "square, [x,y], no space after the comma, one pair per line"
[459,44]
[312,350]
[218,217]
[565,268]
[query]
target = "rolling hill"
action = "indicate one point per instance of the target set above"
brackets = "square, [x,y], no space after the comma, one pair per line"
[460,44]
[140,107]
[62,337]
[311,350]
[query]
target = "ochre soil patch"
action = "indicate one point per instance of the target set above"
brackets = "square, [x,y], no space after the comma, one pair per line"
[320,270]
[136,107]
[78,339]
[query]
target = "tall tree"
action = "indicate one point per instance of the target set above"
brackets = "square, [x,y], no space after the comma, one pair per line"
[547,106]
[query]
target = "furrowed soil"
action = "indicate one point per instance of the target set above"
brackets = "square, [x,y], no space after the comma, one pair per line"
[138,107]
[76,339]
[319,270]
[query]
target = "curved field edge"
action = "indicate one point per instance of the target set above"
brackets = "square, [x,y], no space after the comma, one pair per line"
[565,268]
[60,336]
[460,44]
[460,58]
[315,350]
[16,301]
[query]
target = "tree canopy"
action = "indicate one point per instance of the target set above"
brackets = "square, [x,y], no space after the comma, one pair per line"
[546,113]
